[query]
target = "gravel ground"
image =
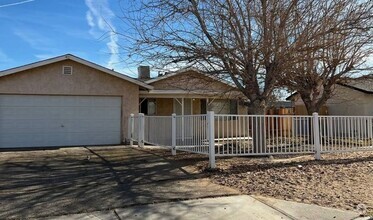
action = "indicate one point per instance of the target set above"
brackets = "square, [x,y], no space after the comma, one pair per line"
[342,180]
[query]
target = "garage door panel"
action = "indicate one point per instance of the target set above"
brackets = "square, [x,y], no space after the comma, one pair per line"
[40,121]
[24,113]
[44,113]
[57,139]
[70,125]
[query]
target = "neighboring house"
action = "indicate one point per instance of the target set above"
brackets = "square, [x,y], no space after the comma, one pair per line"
[352,98]
[67,101]
[189,92]
[299,108]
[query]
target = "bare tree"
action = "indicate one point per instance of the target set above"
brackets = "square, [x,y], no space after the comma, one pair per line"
[242,41]
[333,57]
[253,43]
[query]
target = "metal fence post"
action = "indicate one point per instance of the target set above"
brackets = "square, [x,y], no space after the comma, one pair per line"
[141,132]
[316,136]
[211,138]
[173,133]
[131,128]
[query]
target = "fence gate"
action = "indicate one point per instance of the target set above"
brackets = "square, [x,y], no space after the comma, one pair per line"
[184,133]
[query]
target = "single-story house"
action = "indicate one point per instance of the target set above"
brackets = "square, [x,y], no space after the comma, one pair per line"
[354,97]
[69,101]
[189,92]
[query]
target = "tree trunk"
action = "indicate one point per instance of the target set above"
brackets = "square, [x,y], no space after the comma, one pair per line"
[311,109]
[310,105]
[258,129]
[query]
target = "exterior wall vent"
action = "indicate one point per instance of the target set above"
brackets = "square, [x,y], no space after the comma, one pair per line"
[67,70]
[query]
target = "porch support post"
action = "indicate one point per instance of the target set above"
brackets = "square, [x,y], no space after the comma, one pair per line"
[173,134]
[182,120]
[316,136]
[211,138]
[182,106]
[131,128]
[141,132]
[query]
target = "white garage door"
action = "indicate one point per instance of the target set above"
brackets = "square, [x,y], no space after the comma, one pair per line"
[42,121]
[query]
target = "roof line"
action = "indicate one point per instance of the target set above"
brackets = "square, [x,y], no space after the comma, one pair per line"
[341,84]
[32,65]
[356,88]
[167,75]
[291,96]
[78,60]
[186,70]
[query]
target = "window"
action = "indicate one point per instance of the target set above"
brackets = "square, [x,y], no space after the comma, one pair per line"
[152,107]
[148,106]
[67,70]
[222,106]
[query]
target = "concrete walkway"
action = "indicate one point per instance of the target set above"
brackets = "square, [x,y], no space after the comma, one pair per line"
[231,207]
[36,184]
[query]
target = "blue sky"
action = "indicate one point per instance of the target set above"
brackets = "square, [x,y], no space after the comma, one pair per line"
[33,30]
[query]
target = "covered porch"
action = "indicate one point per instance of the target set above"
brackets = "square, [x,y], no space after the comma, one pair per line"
[165,103]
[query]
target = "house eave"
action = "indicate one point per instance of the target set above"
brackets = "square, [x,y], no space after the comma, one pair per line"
[78,60]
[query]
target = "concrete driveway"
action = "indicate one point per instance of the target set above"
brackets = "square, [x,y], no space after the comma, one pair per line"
[43,183]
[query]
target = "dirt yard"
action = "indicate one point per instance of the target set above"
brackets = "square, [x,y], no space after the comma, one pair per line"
[342,181]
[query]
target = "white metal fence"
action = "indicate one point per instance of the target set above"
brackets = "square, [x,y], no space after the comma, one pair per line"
[191,133]
[263,135]
[346,133]
[157,130]
[133,129]
[185,133]
[244,135]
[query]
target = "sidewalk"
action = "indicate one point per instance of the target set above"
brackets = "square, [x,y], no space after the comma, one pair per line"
[231,207]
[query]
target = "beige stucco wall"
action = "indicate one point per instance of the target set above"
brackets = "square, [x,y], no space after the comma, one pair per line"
[345,101]
[49,80]
[164,107]
[196,107]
